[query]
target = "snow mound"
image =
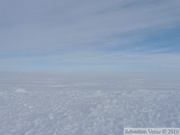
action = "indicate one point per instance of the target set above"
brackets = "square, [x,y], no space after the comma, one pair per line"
[21,90]
[58,86]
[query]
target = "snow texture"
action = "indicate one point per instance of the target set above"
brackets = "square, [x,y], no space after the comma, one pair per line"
[53,106]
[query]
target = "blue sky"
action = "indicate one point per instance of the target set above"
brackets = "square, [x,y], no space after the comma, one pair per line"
[107,35]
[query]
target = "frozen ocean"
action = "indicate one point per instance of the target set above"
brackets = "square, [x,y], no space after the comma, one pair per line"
[55,105]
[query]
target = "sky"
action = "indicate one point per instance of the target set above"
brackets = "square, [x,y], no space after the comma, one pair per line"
[114,36]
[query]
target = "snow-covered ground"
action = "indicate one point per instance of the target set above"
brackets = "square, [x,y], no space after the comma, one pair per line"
[58,106]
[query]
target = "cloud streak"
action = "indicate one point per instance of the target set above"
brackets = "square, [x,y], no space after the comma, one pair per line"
[89,32]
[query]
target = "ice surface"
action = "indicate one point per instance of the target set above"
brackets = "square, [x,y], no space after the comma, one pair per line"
[57,106]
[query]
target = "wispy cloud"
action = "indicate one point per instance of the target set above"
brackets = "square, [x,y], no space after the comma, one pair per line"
[89,32]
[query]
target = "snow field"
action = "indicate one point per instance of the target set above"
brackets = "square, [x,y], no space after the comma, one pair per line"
[48,106]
